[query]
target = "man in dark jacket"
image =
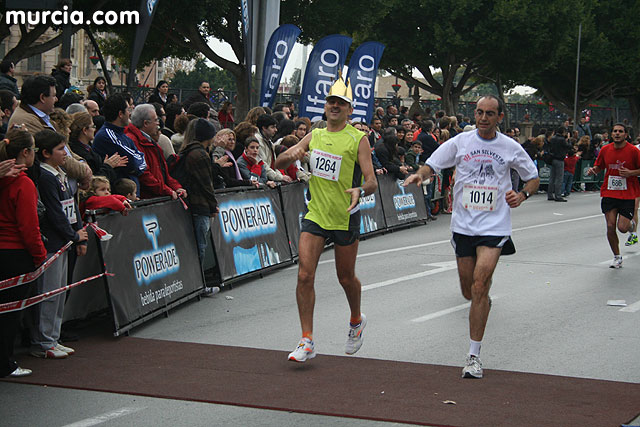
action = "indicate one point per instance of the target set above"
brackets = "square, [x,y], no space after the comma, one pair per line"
[558,147]
[62,74]
[7,81]
[111,139]
[201,96]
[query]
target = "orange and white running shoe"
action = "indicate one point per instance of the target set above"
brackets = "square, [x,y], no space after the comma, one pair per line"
[305,350]
[354,339]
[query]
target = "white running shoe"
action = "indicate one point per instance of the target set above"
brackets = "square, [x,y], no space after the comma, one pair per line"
[305,350]
[617,262]
[354,339]
[473,367]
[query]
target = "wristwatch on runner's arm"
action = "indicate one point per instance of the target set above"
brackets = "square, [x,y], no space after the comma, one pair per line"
[526,194]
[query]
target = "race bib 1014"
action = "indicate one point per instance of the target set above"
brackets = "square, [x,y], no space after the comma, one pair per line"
[479,197]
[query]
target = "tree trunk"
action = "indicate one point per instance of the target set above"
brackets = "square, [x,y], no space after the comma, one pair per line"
[243,102]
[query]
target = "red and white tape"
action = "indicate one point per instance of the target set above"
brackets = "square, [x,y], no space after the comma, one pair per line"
[30,277]
[22,304]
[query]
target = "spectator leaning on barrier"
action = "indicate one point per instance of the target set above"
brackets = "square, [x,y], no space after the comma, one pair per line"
[267,126]
[21,247]
[197,177]
[61,224]
[230,172]
[251,166]
[7,81]
[111,139]
[155,180]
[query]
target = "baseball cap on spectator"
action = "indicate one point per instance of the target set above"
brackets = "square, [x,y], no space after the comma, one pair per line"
[204,130]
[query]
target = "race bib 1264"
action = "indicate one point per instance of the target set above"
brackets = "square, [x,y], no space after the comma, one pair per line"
[325,165]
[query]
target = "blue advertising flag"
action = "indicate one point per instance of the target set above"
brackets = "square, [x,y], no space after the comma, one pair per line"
[327,58]
[275,58]
[363,68]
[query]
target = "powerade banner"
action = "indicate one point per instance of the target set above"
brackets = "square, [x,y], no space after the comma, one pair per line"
[326,59]
[249,232]
[371,214]
[363,68]
[401,205]
[154,258]
[294,203]
[275,58]
[147,11]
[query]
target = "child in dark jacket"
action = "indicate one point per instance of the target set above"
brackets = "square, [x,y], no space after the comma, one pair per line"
[61,224]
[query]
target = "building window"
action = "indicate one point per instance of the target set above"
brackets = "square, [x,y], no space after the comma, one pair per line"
[34,63]
[3,50]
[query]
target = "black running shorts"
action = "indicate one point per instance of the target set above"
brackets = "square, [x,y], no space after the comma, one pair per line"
[625,207]
[465,246]
[337,237]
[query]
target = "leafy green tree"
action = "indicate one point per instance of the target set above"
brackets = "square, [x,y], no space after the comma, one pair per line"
[477,41]
[216,77]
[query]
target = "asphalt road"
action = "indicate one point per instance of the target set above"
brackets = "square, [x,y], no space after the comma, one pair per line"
[549,315]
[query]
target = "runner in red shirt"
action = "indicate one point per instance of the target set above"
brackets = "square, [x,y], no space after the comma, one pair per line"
[620,188]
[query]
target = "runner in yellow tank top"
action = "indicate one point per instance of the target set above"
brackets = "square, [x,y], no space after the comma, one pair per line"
[340,155]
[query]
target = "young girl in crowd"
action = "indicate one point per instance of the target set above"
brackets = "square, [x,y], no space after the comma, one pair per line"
[21,247]
[99,197]
[61,224]
[251,167]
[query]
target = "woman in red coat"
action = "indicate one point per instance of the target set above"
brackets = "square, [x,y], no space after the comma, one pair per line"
[225,115]
[21,247]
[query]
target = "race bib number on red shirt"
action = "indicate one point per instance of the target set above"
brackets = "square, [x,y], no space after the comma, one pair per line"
[617,183]
[325,165]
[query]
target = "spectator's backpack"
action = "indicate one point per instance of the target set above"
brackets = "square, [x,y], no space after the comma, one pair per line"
[177,167]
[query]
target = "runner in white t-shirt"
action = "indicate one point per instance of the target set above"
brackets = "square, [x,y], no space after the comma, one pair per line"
[482,202]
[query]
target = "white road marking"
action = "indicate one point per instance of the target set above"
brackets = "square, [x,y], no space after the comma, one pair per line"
[441,267]
[631,308]
[630,255]
[447,311]
[103,418]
